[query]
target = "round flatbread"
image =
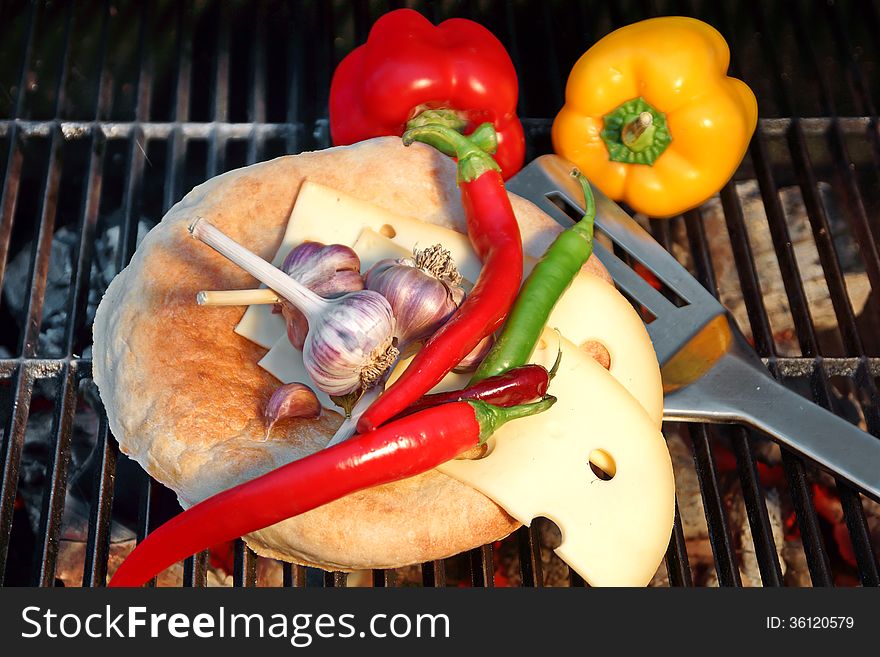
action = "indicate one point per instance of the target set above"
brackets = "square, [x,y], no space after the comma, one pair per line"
[184,395]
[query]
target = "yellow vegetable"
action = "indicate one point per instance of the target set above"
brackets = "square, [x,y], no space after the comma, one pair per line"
[652,118]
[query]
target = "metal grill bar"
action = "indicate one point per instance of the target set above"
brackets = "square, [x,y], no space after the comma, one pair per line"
[813,546]
[434,573]
[534,127]
[677,565]
[98,541]
[719,534]
[756,508]
[834,279]
[788,367]
[53,505]
[530,556]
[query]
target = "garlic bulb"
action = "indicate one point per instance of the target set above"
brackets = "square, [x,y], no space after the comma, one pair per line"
[291,400]
[350,343]
[423,291]
[329,271]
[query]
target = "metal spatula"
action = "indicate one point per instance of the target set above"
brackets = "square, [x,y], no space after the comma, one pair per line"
[710,373]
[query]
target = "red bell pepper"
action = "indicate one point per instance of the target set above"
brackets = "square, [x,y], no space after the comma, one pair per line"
[409,65]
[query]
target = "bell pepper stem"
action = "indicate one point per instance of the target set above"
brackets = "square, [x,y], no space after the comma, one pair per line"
[638,134]
[491,417]
[473,161]
[635,133]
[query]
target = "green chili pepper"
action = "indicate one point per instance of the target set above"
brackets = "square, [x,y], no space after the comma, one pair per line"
[547,282]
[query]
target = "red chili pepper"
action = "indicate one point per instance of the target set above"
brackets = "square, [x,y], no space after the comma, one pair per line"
[516,386]
[401,449]
[494,234]
[408,65]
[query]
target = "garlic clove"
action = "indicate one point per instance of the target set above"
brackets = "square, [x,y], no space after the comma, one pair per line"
[290,400]
[470,362]
[297,324]
[329,270]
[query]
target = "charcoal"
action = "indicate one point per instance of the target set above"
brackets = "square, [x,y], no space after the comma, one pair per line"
[65,244]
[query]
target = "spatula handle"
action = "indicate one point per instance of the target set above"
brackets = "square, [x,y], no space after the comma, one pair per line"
[738,390]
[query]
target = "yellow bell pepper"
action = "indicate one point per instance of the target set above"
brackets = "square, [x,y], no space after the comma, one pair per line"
[651,117]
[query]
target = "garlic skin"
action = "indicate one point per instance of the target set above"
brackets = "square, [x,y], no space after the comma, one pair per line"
[327,270]
[291,400]
[353,345]
[423,291]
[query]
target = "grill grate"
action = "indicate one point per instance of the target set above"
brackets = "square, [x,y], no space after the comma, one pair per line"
[109,113]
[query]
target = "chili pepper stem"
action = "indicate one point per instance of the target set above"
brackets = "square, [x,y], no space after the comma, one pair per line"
[491,417]
[587,223]
[556,363]
[484,136]
[299,295]
[473,161]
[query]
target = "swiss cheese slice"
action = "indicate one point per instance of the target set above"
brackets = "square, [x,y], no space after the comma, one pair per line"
[591,309]
[615,532]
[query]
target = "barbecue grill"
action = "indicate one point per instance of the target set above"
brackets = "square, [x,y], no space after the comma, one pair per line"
[110,113]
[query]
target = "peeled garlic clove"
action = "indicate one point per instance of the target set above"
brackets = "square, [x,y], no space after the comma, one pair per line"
[290,400]
[470,362]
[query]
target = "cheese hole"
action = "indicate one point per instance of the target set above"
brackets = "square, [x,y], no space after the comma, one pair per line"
[597,351]
[602,464]
[549,532]
[388,231]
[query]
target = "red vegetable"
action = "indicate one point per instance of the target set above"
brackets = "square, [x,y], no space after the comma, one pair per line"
[408,65]
[515,386]
[494,234]
[401,449]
